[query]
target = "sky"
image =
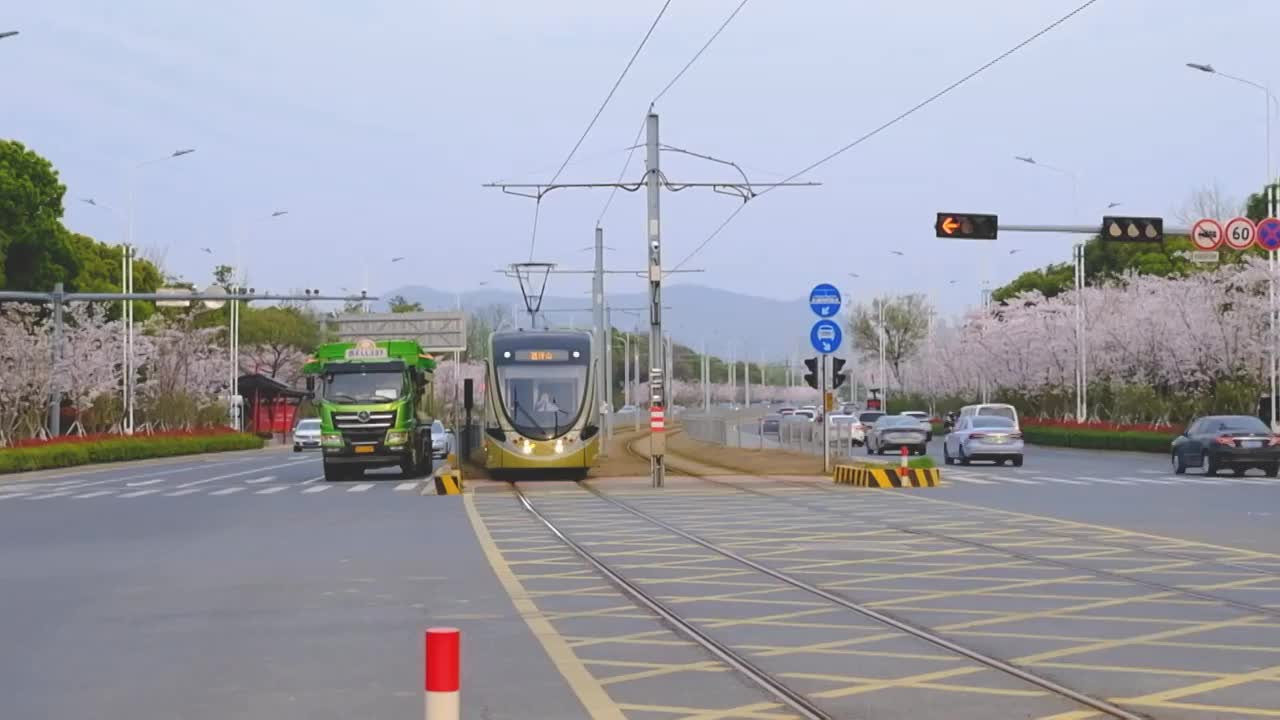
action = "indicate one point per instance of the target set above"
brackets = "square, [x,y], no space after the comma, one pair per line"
[375,125]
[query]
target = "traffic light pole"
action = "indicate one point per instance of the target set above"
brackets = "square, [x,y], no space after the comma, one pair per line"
[826,412]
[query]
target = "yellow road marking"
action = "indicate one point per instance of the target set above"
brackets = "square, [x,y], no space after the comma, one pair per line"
[1269,673]
[756,711]
[589,691]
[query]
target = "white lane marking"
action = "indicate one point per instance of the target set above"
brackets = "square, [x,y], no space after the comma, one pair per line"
[1102,480]
[316,489]
[1151,481]
[144,483]
[360,488]
[263,479]
[180,493]
[94,494]
[13,495]
[1019,481]
[47,496]
[196,483]
[272,490]
[969,479]
[227,491]
[138,493]
[1064,481]
[316,479]
[407,486]
[1152,472]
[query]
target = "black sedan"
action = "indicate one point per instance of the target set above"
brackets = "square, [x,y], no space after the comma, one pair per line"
[1220,442]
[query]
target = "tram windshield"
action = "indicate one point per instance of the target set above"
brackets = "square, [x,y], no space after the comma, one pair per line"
[542,402]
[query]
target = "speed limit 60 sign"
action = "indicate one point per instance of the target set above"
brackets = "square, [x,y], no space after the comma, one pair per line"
[1239,233]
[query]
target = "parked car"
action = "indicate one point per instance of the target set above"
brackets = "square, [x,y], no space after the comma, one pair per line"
[809,415]
[983,437]
[626,409]
[840,429]
[894,432]
[926,421]
[1219,442]
[866,419]
[306,434]
[786,411]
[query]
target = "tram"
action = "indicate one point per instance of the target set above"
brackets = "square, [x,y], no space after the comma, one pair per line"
[541,410]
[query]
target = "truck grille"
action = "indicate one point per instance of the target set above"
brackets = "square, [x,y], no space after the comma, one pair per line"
[364,427]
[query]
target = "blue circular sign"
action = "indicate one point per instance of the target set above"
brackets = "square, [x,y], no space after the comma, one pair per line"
[826,336]
[1268,234]
[825,300]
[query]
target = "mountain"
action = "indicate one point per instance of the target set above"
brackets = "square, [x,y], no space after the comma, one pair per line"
[759,328]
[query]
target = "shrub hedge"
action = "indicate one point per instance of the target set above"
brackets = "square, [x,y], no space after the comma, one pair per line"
[117,449]
[1099,439]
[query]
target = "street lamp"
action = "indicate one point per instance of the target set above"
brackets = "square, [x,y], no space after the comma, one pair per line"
[1081,370]
[126,282]
[124,271]
[235,405]
[1268,100]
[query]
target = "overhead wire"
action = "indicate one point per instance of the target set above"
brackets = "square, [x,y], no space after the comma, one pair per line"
[670,84]
[894,121]
[644,41]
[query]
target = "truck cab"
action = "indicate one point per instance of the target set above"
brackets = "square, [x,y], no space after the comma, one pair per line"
[375,406]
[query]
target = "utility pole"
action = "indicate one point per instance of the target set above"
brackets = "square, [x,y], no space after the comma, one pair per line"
[653,190]
[608,379]
[746,387]
[824,412]
[597,307]
[55,365]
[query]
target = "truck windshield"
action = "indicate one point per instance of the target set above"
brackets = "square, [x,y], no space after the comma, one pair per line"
[375,387]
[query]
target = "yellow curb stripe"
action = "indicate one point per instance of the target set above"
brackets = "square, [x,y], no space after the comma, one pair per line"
[885,477]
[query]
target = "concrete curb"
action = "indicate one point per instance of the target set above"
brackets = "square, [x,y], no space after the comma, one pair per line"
[884,477]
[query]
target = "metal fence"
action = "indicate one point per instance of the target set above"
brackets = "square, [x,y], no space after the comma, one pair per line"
[801,436]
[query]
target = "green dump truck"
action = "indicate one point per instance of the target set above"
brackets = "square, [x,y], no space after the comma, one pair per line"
[375,405]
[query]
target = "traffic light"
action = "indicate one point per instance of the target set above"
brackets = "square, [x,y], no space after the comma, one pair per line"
[966,226]
[837,377]
[1132,229]
[811,377]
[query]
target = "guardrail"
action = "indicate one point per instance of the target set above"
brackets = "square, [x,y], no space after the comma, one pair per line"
[801,436]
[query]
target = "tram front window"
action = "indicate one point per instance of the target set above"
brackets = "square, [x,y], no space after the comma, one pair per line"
[542,402]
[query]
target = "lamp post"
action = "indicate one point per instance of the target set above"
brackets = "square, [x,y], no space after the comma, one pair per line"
[126,284]
[239,277]
[124,271]
[1268,101]
[1077,255]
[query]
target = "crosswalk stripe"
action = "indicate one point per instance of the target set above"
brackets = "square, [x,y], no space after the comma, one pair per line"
[227,491]
[138,493]
[1150,481]
[96,493]
[360,488]
[316,489]
[407,486]
[1020,481]
[1103,480]
[144,483]
[46,496]
[180,493]
[263,479]
[271,490]
[12,495]
[969,479]
[313,480]
[1064,481]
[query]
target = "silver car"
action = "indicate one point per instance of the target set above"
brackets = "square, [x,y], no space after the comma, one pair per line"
[306,434]
[983,437]
[925,422]
[894,432]
[441,440]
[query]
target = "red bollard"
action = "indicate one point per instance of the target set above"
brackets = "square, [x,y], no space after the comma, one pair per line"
[902,466]
[442,684]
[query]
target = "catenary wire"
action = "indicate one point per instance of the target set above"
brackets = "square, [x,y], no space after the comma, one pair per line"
[894,121]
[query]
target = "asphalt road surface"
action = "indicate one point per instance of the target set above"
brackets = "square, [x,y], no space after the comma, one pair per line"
[244,586]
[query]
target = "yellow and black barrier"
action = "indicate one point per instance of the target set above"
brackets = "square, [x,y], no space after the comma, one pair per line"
[448,477]
[877,476]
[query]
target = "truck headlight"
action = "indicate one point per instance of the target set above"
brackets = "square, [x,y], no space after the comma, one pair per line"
[331,440]
[397,437]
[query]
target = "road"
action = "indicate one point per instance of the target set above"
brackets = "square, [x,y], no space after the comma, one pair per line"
[243,586]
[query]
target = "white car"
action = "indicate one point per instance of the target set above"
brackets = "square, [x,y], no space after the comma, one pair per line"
[441,440]
[865,420]
[926,423]
[306,434]
[983,437]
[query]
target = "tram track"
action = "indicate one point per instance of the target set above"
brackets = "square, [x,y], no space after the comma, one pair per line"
[674,460]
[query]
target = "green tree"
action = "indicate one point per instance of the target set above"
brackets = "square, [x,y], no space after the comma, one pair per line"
[401,304]
[906,325]
[34,248]
[279,333]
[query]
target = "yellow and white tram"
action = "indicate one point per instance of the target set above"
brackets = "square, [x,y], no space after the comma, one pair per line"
[541,411]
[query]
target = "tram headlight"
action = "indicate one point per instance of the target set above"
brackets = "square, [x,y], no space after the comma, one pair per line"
[528,447]
[559,446]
